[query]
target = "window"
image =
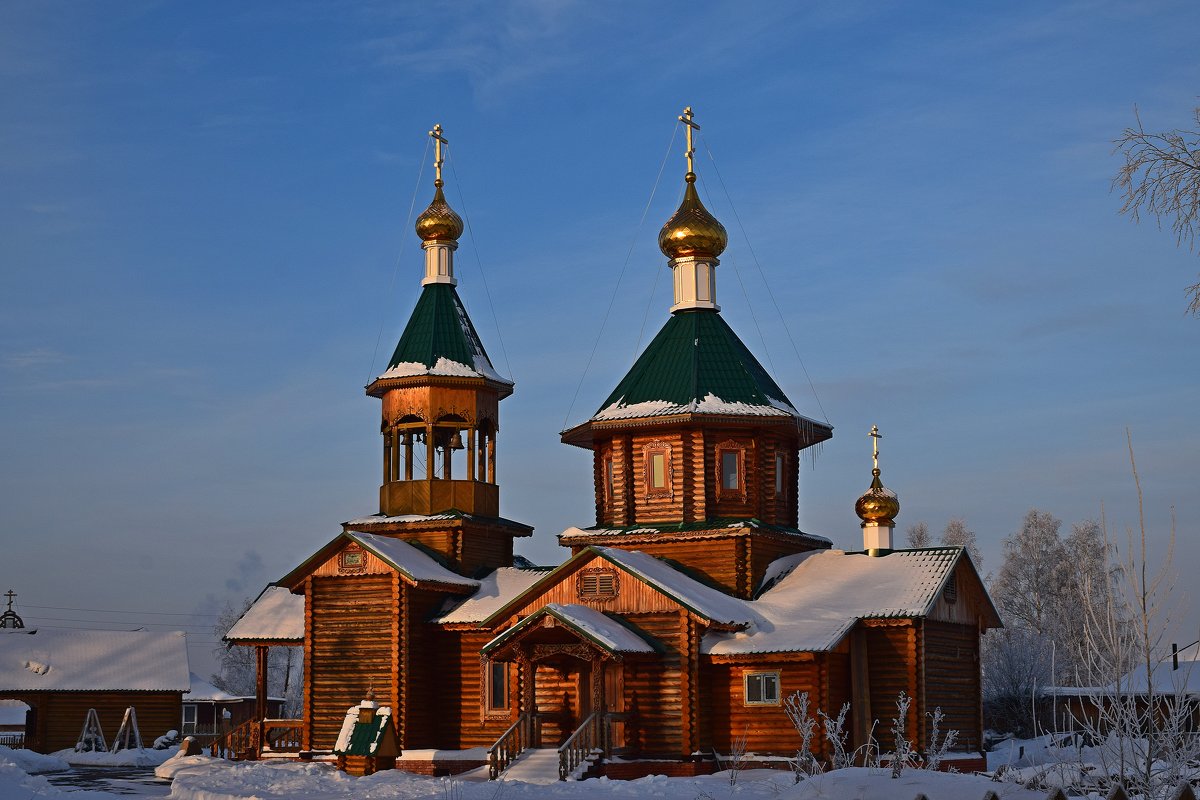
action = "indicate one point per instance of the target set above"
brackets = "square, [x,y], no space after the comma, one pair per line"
[497,686]
[189,719]
[595,584]
[762,688]
[950,593]
[731,461]
[657,455]
[352,559]
[729,470]
[780,469]
[610,480]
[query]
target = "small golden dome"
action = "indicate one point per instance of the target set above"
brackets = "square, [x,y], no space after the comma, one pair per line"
[439,221]
[878,505]
[692,231]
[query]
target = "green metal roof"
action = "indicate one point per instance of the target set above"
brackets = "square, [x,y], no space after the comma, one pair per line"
[696,364]
[440,340]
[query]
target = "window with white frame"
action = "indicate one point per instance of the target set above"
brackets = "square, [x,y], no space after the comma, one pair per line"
[189,719]
[762,688]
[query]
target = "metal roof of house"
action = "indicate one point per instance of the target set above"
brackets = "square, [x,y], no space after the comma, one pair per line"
[94,661]
[495,590]
[440,340]
[809,601]
[723,526]
[277,616]
[414,563]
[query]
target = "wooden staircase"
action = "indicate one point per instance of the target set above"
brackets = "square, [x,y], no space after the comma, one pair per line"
[258,739]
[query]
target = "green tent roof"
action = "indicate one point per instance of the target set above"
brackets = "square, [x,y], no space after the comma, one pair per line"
[696,364]
[440,340]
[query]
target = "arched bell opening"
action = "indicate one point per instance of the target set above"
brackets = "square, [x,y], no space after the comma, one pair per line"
[434,466]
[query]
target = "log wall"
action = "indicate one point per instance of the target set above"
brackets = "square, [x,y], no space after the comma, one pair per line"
[462,722]
[767,728]
[892,665]
[653,691]
[352,634]
[60,715]
[951,679]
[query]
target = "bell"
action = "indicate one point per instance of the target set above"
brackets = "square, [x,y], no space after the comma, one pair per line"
[456,441]
[408,439]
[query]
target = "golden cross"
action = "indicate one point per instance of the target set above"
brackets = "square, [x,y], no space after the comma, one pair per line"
[439,140]
[686,119]
[10,594]
[876,435]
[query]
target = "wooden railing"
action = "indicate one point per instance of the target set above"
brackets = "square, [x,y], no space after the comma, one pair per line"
[239,744]
[252,738]
[589,739]
[16,740]
[515,740]
[282,735]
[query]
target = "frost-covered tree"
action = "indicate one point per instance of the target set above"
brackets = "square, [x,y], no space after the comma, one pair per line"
[957,534]
[236,665]
[1029,587]
[1161,177]
[917,535]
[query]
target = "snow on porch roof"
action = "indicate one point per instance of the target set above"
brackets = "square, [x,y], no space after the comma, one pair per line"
[276,616]
[817,597]
[588,622]
[94,661]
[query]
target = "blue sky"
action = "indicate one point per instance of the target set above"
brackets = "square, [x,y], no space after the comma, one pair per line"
[203,235]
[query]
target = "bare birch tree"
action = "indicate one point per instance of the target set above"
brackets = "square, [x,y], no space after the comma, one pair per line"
[957,533]
[917,535]
[1161,178]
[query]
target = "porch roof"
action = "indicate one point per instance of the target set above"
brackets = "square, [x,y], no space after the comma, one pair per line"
[598,628]
[496,589]
[276,616]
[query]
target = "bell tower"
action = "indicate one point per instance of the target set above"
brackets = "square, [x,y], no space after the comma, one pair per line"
[440,412]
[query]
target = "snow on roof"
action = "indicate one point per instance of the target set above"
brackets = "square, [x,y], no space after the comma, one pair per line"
[12,712]
[444,366]
[705,527]
[277,615]
[495,590]
[381,519]
[711,404]
[204,692]
[81,661]
[413,562]
[1165,679]
[704,600]
[382,715]
[812,599]
[593,624]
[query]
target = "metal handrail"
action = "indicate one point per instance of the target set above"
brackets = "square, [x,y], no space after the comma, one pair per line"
[511,744]
[590,737]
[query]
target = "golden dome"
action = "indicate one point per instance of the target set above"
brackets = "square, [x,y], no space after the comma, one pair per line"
[692,231]
[439,221]
[878,505]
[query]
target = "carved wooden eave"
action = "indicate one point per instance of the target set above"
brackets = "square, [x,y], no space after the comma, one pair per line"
[381,386]
[654,536]
[809,432]
[759,658]
[440,522]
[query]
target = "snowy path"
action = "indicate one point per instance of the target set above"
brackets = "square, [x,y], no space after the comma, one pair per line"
[534,766]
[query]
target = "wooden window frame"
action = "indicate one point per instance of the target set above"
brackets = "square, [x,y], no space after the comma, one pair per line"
[598,577]
[608,478]
[649,450]
[781,465]
[193,722]
[738,450]
[950,592]
[774,674]
[488,695]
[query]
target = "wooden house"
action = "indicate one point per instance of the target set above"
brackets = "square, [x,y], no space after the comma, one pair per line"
[685,616]
[209,712]
[62,674]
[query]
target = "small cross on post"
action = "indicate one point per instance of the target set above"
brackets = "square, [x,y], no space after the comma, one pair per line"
[686,119]
[875,436]
[439,140]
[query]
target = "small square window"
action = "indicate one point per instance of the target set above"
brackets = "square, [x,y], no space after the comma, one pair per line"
[762,688]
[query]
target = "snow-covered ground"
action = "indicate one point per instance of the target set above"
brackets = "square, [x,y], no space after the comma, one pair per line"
[123,758]
[210,780]
[30,761]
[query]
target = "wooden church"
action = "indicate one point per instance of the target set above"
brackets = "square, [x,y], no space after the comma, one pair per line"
[686,614]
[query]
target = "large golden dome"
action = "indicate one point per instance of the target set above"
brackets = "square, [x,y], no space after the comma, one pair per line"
[692,231]
[439,221]
[878,505]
